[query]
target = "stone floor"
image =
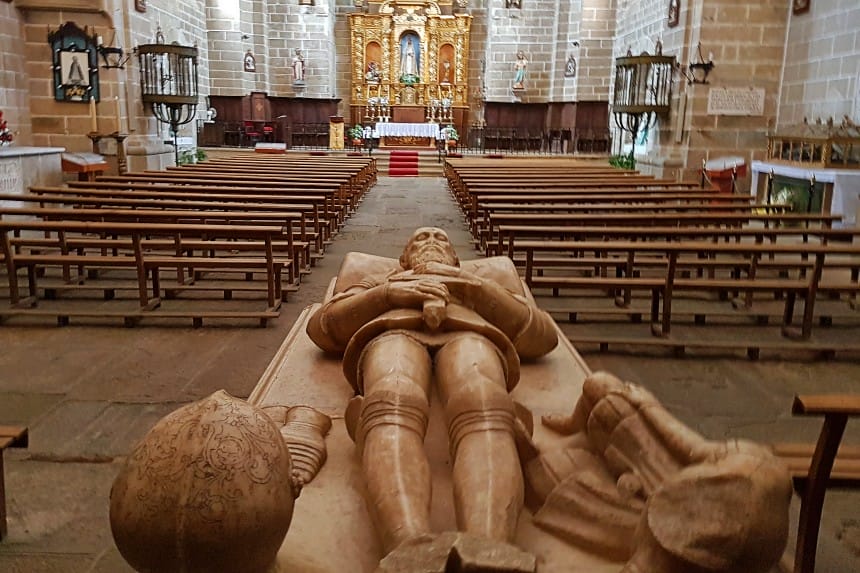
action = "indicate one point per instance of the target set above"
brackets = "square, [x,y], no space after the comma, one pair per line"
[88,392]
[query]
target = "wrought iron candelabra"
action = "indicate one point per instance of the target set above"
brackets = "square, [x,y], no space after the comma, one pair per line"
[643,91]
[168,80]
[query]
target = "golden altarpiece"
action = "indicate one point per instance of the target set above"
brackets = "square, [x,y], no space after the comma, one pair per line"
[410,66]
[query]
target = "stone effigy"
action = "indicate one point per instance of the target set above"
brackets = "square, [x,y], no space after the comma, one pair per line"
[636,485]
[618,486]
[406,326]
[211,487]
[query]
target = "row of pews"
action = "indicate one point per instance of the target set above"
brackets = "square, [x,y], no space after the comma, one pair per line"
[609,243]
[203,241]
[619,245]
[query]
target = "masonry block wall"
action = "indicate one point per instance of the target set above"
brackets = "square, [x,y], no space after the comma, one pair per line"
[227,23]
[56,123]
[822,64]
[746,43]
[511,30]
[595,51]
[14,92]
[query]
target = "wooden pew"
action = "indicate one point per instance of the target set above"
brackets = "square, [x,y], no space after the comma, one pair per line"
[307,229]
[299,250]
[469,202]
[486,212]
[10,437]
[329,208]
[343,195]
[807,284]
[828,465]
[365,167]
[140,262]
[494,241]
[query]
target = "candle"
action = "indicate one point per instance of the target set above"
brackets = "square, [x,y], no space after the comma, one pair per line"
[118,116]
[94,122]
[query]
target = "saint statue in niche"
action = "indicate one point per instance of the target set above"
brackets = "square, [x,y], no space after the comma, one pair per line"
[800,6]
[298,67]
[520,70]
[446,72]
[674,13]
[409,57]
[372,76]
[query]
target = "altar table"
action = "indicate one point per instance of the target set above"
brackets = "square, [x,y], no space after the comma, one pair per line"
[430,130]
[842,186]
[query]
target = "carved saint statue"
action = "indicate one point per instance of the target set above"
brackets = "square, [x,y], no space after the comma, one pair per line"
[372,75]
[446,72]
[400,326]
[408,59]
[298,67]
[520,70]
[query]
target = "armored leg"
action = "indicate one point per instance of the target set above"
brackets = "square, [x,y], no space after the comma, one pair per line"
[390,436]
[488,481]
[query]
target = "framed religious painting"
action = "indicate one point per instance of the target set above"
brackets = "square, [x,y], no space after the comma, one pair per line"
[250,62]
[673,14]
[74,63]
[570,67]
[800,6]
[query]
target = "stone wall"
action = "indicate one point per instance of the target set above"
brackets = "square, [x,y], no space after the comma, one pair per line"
[595,57]
[746,43]
[14,100]
[822,65]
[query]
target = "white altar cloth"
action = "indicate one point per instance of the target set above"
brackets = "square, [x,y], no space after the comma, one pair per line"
[846,185]
[408,129]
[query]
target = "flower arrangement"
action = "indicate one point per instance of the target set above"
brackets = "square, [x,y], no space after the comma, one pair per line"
[355,132]
[449,133]
[6,135]
[409,79]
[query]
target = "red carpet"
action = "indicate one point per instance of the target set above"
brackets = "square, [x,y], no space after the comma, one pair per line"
[403,164]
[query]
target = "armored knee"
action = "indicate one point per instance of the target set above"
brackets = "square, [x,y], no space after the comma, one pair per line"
[470,413]
[384,408]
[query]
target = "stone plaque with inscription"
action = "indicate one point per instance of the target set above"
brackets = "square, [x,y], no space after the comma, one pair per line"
[736,101]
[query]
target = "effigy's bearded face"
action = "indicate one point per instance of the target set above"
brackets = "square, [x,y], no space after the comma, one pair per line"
[428,244]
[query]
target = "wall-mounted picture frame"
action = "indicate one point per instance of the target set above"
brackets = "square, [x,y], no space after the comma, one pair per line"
[250,62]
[570,67]
[75,64]
[673,13]
[800,6]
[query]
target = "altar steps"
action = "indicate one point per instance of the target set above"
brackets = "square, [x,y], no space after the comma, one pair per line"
[408,163]
[403,164]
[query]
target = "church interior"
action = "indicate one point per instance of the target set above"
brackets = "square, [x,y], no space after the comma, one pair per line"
[222,349]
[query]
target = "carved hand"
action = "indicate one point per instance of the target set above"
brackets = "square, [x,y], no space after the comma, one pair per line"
[414,293]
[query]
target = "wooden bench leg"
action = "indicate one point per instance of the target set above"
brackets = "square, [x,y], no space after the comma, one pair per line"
[3,530]
[812,500]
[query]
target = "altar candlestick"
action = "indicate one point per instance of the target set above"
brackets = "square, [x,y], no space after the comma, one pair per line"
[94,122]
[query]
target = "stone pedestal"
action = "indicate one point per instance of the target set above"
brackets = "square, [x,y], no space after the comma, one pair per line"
[21,167]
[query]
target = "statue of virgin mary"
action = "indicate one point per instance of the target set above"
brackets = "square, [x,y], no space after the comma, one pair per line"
[409,65]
